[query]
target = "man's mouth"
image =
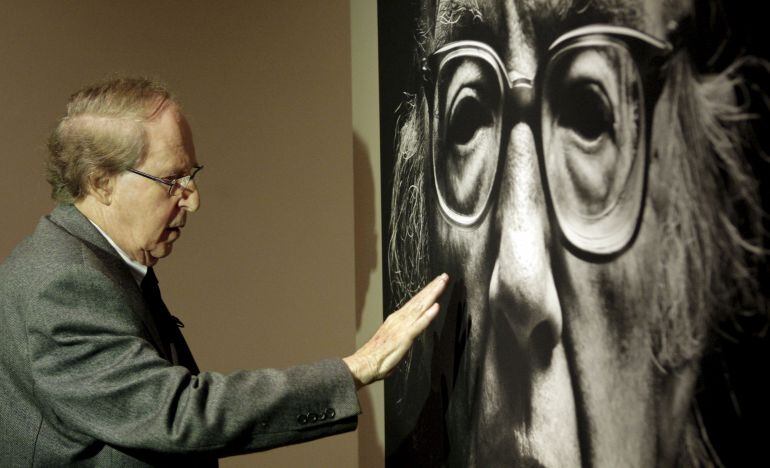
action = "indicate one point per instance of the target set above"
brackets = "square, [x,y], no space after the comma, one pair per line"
[172,233]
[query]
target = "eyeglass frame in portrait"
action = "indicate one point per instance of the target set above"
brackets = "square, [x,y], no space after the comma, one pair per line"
[646,53]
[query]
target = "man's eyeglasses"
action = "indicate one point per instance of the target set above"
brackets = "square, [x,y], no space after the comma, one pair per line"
[587,108]
[175,186]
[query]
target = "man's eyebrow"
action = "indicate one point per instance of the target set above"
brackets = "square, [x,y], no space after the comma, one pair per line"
[178,171]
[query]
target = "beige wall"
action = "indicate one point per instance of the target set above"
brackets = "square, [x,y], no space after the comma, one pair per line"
[264,273]
[366,165]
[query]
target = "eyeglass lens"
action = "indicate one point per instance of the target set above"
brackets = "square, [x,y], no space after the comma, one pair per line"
[468,123]
[181,184]
[592,136]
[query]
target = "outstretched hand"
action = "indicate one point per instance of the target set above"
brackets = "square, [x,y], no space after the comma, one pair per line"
[379,356]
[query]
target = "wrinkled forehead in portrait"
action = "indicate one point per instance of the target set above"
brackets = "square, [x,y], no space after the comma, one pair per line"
[523,29]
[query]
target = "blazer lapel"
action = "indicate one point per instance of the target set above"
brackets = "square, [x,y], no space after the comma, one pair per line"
[73,221]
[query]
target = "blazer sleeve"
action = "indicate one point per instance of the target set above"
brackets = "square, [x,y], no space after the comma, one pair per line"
[96,373]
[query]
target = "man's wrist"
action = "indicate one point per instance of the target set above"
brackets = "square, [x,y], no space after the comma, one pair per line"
[355,368]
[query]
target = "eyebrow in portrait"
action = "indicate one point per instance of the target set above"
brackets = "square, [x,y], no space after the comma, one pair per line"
[550,19]
[539,22]
[465,20]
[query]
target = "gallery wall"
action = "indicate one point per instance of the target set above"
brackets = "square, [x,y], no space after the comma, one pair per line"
[264,273]
[368,218]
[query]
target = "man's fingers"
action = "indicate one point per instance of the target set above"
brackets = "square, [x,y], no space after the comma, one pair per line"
[425,319]
[428,295]
[394,338]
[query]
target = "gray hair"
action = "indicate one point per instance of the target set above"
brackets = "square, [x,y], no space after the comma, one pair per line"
[102,134]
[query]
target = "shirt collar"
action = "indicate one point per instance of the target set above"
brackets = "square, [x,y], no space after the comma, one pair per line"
[137,269]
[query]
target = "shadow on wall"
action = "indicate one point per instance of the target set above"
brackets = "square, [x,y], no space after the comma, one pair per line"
[365,230]
[370,452]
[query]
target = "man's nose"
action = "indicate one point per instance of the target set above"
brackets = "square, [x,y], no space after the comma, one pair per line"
[522,288]
[190,200]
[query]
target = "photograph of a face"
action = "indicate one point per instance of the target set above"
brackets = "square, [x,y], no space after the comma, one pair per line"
[591,175]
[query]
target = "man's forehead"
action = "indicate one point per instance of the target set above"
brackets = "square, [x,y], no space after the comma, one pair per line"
[536,23]
[171,147]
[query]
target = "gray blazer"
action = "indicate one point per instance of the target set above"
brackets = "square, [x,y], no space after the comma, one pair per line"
[85,380]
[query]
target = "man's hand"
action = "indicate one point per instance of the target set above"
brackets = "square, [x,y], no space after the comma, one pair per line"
[379,356]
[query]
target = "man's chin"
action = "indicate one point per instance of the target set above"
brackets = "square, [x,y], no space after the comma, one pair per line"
[161,251]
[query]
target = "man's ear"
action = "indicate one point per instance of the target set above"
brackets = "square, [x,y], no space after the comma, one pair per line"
[101,186]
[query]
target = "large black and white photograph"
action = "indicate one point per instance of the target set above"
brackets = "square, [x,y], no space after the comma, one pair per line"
[592,176]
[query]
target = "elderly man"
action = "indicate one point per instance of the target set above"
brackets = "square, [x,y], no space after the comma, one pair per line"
[93,368]
[569,165]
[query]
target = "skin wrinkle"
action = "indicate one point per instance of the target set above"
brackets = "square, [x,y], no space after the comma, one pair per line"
[520,52]
[585,432]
